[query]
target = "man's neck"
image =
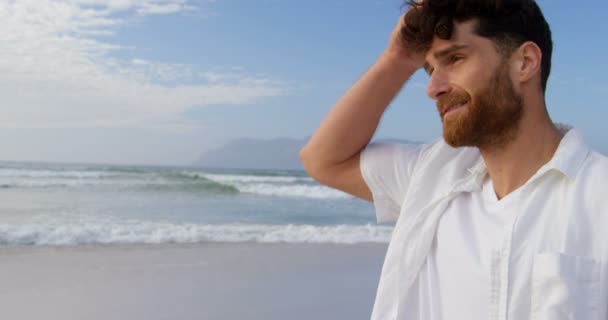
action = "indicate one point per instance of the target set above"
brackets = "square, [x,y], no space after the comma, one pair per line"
[513,165]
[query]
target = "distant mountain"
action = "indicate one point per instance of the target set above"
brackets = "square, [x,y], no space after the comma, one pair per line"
[246,153]
[281,154]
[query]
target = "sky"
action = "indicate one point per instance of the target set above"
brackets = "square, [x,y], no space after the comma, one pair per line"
[159,82]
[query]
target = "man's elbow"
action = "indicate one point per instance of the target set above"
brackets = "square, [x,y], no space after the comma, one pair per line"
[312,165]
[307,161]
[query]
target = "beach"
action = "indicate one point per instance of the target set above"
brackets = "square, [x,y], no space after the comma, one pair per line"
[97,242]
[190,281]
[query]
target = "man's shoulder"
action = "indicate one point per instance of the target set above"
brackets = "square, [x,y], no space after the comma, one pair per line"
[435,161]
[595,168]
[439,154]
[441,167]
[595,165]
[592,180]
[434,152]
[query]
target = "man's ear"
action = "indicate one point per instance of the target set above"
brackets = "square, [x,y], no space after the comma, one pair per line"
[528,59]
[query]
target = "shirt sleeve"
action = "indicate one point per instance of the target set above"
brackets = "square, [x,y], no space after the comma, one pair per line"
[387,171]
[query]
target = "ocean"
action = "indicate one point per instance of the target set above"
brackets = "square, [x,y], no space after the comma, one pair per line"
[80,204]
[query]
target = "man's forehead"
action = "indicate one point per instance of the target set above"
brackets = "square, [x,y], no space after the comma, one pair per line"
[462,33]
[463,37]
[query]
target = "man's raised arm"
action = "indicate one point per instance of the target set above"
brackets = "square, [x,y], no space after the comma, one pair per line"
[332,154]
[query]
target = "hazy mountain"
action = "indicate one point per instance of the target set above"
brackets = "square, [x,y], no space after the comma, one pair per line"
[246,153]
[281,153]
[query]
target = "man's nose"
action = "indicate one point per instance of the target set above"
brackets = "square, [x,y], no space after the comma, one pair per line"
[438,85]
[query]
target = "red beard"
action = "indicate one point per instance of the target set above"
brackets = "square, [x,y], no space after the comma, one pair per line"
[489,120]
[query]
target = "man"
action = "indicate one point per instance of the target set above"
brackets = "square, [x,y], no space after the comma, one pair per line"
[502,218]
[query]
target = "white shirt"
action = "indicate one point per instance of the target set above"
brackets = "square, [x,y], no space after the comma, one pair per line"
[551,260]
[469,233]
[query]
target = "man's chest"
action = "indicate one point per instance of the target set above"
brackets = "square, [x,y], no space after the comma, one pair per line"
[532,257]
[461,265]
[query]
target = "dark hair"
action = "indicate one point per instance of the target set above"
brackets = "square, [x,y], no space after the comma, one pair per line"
[508,23]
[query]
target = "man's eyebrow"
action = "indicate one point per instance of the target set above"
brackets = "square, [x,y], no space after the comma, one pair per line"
[445,52]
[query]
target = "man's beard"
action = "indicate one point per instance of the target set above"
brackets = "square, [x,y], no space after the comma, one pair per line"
[491,118]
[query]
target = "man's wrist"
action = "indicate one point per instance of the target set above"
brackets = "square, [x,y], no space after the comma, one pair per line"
[398,61]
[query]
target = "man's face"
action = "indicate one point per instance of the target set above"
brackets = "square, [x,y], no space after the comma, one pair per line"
[472,87]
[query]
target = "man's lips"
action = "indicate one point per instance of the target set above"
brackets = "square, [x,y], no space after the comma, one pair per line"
[446,110]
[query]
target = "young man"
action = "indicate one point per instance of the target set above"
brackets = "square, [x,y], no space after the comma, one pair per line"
[503,218]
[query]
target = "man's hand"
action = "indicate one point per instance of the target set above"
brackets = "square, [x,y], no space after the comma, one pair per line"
[397,49]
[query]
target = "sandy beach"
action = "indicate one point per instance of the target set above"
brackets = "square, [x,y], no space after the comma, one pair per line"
[198,281]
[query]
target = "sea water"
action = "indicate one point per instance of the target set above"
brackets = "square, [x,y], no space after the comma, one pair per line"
[76,204]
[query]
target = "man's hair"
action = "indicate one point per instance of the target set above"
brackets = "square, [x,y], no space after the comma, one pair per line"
[508,23]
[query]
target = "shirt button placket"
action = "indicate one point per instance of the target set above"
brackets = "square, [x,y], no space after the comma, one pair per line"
[505,257]
[494,285]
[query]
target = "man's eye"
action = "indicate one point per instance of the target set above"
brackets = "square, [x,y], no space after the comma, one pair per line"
[455,58]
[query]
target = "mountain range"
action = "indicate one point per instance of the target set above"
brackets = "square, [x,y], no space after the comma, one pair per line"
[248,153]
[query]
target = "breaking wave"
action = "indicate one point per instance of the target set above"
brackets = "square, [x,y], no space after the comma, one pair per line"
[159,233]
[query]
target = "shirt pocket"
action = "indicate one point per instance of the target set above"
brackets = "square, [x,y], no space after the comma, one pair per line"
[565,287]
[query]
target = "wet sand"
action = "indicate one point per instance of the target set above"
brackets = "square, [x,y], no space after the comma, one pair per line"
[199,281]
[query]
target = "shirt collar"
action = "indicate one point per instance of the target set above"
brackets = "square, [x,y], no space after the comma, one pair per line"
[568,157]
[571,152]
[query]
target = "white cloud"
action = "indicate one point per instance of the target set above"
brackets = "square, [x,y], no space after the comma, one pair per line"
[154,8]
[53,73]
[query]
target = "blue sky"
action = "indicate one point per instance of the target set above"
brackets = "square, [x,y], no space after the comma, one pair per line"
[161,81]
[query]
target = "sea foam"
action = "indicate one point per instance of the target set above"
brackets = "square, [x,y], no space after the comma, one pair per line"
[282,186]
[134,232]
